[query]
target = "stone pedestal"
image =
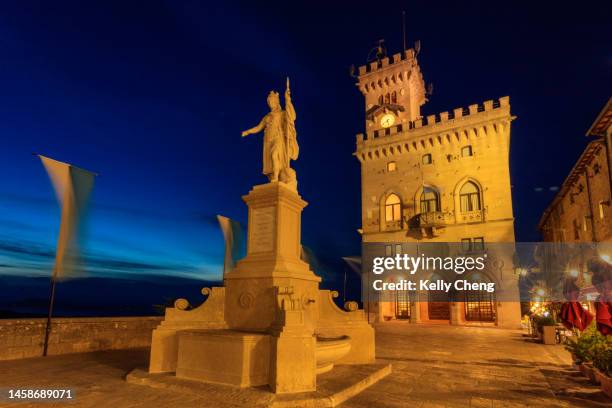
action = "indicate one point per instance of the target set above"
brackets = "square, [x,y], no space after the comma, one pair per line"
[273,260]
[293,363]
[224,356]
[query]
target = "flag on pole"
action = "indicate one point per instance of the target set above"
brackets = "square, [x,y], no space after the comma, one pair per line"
[354,263]
[72,187]
[234,242]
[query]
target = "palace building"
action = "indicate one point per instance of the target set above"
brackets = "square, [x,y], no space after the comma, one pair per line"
[442,178]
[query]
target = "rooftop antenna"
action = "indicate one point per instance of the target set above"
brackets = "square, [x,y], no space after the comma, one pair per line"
[404,28]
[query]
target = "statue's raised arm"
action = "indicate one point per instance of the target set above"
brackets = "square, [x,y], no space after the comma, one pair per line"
[280,139]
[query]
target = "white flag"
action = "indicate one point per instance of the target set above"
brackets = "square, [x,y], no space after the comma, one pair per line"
[72,187]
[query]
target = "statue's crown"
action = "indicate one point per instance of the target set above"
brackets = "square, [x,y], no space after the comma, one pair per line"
[273,95]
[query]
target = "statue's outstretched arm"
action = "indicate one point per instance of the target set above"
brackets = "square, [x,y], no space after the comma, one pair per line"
[255,129]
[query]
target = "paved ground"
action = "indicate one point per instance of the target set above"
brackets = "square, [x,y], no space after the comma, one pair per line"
[446,366]
[434,366]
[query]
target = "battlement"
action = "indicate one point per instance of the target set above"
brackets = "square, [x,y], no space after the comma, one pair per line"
[442,119]
[380,65]
[386,73]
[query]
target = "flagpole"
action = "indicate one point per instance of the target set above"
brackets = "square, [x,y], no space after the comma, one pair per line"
[51,302]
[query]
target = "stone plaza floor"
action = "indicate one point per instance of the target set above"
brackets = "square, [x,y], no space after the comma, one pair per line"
[433,366]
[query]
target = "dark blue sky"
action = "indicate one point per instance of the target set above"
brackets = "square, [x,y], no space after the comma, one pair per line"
[153,95]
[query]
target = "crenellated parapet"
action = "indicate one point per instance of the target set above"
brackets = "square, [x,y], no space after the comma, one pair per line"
[488,119]
[388,72]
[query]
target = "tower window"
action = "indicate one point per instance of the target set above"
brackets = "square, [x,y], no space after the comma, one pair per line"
[391,166]
[393,207]
[601,210]
[429,200]
[393,97]
[380,100]
[426,159]
[466,151]
[387,98]
[469,197]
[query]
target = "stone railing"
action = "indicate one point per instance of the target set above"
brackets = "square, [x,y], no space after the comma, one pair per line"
[393,225]
[471,216]
[22,338]
[435,219]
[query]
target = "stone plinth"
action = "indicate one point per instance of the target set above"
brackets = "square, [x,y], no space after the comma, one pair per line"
[224,356]
[273,260]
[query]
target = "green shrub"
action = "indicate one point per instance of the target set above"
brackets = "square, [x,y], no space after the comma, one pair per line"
[592,347]
[602,355]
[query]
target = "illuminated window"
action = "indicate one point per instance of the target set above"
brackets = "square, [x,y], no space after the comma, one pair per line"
[393,208]
[469,197]
[398,249]
[478,244]
[426,158]
[429,200]
[391,166]
[388,250]
[601,210]
[472,244]
[466,151]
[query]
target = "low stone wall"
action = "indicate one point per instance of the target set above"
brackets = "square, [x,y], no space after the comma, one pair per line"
[22,338]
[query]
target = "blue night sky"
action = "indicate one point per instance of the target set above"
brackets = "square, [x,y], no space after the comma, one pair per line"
[153,95]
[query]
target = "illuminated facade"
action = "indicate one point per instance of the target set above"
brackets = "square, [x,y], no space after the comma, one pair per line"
[439,178]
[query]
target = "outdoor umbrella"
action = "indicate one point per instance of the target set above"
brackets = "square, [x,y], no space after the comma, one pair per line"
[604,317]
[572,314]
[602,280]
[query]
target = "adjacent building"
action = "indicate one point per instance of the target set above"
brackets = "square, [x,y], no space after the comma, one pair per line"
[582,209]
[439,178]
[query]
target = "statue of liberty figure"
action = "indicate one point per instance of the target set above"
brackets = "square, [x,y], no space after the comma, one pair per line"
[280,141]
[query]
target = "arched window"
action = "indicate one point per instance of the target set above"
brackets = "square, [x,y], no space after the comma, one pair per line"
[387,98]
[393,208]
[393,97]
[380,100]
[469,197]
[429,200]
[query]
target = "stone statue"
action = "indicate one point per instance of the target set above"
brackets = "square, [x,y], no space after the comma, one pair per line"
[280,142]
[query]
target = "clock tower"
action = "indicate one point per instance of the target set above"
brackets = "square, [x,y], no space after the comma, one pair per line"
[394,91]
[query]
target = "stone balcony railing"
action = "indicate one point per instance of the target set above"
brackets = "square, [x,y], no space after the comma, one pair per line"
[435,219]
[471,216]
[393,225]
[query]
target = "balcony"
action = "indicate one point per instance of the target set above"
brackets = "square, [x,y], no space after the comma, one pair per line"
[393,225]
[469,217]
[430,224]
[434,219]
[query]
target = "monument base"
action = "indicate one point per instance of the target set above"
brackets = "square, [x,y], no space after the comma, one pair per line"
[333,388]
[224,356]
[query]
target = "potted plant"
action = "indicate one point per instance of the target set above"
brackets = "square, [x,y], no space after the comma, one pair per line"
[546,328]
[586,349]
[602,363]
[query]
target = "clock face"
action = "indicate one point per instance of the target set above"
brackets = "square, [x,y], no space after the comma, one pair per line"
[387,120]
